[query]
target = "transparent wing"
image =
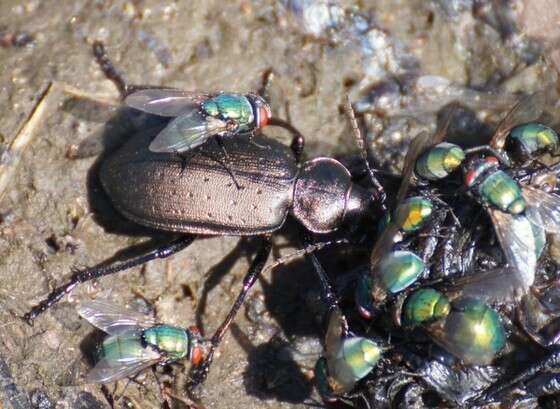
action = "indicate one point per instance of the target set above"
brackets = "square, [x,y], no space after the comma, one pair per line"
[111,370]
[111,318]
[494,286]
[165,102]
[187,132]
[526,110]
[417,146]
[384,244]
[75,373]
[515,234]
[547,207]
[336,331]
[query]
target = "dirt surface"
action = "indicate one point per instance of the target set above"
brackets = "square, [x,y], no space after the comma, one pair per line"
[313,59]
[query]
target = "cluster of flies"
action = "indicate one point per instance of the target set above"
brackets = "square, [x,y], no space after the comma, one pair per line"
[258,182]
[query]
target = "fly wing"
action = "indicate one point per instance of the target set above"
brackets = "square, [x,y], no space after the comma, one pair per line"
[515,234]
[187,132]
[165,102]
[526,110]
[111,318]
[336,331]
[111,370]
[545,205]
[495,286]
[384,244]
[417,146]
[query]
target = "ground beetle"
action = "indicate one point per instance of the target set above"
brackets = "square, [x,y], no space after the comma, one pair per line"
[195,195]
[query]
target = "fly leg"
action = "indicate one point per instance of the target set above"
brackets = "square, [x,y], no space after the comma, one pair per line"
[88,274]
[227,162]
[257,266]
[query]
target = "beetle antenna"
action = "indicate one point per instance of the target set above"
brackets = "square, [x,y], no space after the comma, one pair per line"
[113,74]
[362,146]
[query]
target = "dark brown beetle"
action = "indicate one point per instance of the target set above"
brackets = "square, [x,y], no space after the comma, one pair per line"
[197,196]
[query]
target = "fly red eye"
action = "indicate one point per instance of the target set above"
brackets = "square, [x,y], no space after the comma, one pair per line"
[469,177]
[196,356]
[194,329]
[492,159]
[264,116]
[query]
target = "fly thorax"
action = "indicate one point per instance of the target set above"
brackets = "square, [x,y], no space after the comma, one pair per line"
[231,107]
[494,186]
[321,194]
[425,305]
[167,339]
[477,169]
[504,192]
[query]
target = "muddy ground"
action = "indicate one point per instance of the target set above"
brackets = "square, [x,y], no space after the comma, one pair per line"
[314,53]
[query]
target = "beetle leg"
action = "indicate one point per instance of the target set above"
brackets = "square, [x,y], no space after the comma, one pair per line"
[544,384]
[88,274]
[113,74]
[298,140]
[257,266]
[327,293]
[551,362]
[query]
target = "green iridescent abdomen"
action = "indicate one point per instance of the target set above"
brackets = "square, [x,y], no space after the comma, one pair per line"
[231,106]
[355,358]
[413,213]
[502,191]
[439,161]
[128,345]
[532,138]
[474,332]
[425,305]
[400,269]
[174,341]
